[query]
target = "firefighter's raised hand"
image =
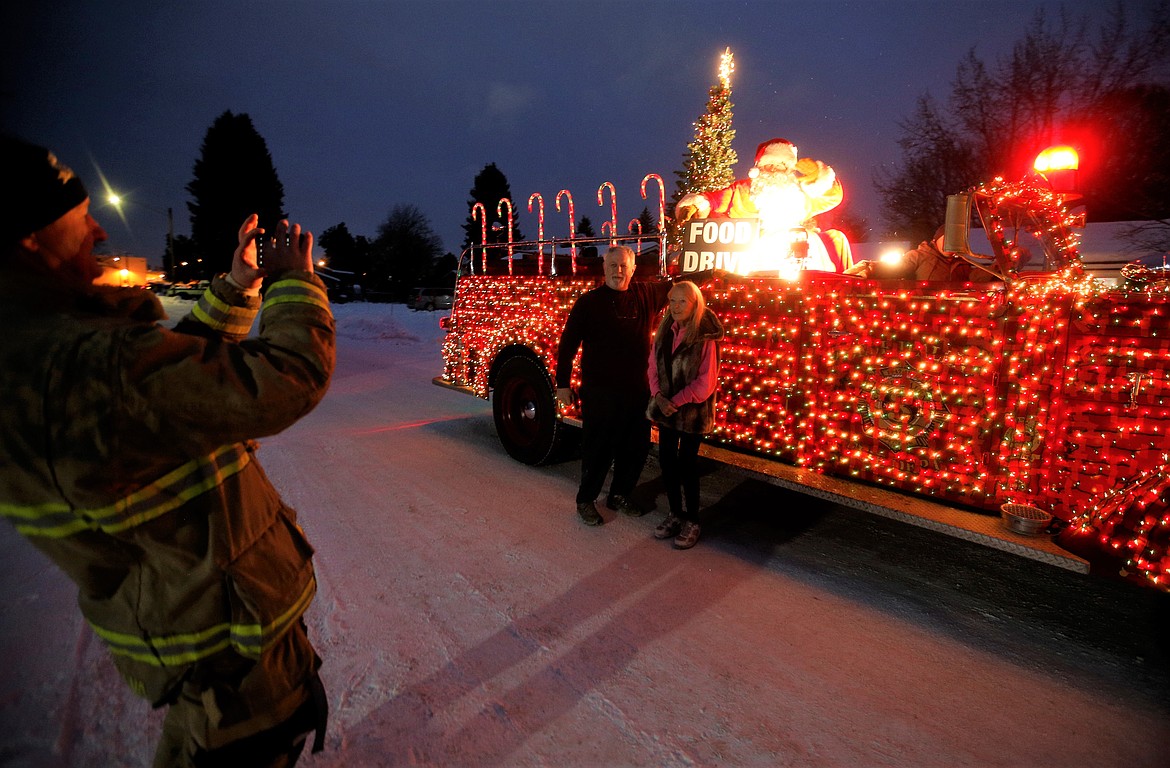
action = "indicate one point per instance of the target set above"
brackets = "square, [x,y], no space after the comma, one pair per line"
[290,249]
[246,273]
[259,255]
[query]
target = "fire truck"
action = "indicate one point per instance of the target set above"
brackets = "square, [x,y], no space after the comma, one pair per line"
[1028,413]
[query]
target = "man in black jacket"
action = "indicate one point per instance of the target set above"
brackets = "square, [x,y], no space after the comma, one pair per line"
[611,325]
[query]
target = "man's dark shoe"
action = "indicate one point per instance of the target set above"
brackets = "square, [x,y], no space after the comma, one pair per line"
[624,505]
[588,512]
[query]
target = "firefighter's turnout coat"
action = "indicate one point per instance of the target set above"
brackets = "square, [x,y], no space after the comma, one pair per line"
[126,456]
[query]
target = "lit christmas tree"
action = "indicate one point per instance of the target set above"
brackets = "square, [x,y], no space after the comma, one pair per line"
[710,158]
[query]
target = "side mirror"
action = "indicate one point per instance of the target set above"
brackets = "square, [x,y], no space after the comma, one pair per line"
[958,224]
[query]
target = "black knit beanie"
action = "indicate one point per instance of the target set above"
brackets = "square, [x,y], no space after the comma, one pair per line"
[38,189]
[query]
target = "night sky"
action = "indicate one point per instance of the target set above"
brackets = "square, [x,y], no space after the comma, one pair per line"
[366,105]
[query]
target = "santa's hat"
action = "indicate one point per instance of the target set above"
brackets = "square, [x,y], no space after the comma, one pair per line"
[779,153]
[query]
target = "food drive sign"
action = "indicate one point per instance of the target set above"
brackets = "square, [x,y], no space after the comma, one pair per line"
[717,243]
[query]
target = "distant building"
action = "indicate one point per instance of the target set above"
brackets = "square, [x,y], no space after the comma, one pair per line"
[122,270]
[1105,247]
[1108,246]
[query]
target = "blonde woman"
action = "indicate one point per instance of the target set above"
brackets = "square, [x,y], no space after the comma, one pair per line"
[683,373]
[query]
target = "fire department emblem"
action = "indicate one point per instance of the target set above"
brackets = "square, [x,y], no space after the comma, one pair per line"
[901,411]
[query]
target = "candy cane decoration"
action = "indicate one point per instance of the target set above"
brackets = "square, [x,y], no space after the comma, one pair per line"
[661,218]
[539,229]
[572,228]
[636,229]
[612,210]
[500,212]
[482,232]
[608,225]
[661,199]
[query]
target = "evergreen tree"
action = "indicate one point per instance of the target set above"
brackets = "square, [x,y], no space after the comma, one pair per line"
[490,186]
[709,160]
[233,178]
[585,229]
[649,222]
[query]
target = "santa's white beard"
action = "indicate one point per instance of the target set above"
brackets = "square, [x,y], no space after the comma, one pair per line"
[780,201]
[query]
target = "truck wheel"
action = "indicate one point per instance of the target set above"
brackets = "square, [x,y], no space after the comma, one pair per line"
[525,411]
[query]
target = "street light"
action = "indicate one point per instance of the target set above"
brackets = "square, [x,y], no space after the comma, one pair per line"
[116,200]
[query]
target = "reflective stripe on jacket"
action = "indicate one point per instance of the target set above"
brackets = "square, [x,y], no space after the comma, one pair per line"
[127,456]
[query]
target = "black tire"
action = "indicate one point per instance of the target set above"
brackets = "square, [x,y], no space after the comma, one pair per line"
[525,410]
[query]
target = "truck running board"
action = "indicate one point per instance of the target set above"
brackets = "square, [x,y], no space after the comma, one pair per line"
[979,528]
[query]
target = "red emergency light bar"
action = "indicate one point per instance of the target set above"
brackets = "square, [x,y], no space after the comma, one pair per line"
[1061,158]
[1059,166]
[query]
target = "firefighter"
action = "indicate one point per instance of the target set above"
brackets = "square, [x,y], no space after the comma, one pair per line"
[127,457]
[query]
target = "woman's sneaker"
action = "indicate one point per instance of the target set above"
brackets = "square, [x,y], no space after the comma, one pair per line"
[667,527]
[688,535]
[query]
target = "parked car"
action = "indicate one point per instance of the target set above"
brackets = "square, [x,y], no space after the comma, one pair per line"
[192,290]
[431,298]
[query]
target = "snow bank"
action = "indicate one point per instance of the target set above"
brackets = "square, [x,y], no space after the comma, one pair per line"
[359,321]
[363,321]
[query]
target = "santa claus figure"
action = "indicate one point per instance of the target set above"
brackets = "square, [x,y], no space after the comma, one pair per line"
[784,193]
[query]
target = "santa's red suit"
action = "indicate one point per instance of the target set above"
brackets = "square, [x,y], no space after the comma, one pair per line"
[809,188]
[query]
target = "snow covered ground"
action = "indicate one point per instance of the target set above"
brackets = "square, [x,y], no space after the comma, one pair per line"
[467,618]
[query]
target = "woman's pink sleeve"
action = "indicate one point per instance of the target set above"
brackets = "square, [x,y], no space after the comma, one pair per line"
[704,383]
